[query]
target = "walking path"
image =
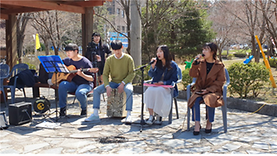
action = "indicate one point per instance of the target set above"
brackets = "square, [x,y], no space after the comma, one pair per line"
[247,133]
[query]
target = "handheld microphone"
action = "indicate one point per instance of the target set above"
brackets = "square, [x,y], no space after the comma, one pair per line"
[198,57]
[153,61]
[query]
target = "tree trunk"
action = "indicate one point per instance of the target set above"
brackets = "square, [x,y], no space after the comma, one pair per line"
[219,53]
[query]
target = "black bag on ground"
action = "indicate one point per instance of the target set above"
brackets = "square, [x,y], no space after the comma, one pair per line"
[26,78]
[3,121]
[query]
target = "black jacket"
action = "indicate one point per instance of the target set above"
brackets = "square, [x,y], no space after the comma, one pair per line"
[93,48]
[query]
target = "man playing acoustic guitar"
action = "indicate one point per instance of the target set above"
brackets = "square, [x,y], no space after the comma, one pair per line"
[81,83]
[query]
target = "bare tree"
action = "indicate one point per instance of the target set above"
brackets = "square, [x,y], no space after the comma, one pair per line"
[22,20]
[250,21]
[56,24]
[269,12]
[223,25]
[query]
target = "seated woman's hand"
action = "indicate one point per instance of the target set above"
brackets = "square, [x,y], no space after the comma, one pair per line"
[159,83]
[204,91]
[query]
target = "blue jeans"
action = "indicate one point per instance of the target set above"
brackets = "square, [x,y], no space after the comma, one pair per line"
[128,89]
[196,111]
[80,93]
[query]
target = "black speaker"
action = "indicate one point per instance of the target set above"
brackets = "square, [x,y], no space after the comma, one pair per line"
[20,113]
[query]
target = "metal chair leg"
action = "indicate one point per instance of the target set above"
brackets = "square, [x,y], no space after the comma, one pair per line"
[176,107]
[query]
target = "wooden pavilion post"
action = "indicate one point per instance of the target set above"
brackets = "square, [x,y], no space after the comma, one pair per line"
[87,28]
[11,40]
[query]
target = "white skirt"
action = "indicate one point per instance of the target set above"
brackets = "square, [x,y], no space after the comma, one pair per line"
[158,99]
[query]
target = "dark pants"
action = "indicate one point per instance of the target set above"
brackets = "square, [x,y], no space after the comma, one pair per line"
[196,111]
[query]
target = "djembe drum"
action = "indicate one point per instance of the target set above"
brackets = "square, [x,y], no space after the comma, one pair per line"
[116,104]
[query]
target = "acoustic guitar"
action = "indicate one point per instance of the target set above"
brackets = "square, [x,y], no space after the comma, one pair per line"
[68,76]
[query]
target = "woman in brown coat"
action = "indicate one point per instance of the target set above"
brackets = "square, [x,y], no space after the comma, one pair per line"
[210,76]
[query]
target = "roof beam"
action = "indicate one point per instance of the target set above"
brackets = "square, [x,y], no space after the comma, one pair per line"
[46,5]
[21,10]
[86,3]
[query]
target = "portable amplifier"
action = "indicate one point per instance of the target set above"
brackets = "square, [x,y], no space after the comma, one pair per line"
[20,113]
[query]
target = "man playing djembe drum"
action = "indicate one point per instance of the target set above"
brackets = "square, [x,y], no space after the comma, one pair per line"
[120,67]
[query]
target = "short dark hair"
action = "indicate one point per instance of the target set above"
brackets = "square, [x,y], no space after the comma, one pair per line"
[213,48]
[71,46]
[116,44]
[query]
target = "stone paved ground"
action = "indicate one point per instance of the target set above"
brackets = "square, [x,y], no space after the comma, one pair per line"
[247,133]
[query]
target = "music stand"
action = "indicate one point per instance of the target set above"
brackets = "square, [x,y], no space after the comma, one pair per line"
[53,64]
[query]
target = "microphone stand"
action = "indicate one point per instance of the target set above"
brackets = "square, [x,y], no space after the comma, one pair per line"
[142,122]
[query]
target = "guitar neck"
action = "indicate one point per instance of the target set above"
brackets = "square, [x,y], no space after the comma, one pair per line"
[75,71]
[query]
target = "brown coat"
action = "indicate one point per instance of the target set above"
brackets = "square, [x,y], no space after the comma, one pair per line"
[212,82]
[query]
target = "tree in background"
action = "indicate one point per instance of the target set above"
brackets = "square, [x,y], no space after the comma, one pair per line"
[224,26]
[182,25]
[60,27]
[22,20]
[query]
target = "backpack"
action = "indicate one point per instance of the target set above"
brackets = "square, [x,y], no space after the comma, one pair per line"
[26,78]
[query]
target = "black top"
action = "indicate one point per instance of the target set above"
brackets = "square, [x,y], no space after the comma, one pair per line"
[209,67]
[82,63]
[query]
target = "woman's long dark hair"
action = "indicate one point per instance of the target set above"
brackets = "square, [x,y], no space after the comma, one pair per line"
[167,57]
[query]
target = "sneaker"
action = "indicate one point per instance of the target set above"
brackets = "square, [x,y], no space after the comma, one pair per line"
[92,118]
[150,121]
[84,112]
[62,112]
[158,121]
[128,120]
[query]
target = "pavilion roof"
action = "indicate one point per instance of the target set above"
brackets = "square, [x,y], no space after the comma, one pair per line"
[22,6]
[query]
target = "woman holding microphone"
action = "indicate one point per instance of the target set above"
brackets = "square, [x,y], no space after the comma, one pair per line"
[210,76]
[163,72]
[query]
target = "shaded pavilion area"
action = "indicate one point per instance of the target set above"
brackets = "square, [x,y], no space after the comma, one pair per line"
[10,8]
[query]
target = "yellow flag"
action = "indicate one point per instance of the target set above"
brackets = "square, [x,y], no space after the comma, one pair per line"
[37,42]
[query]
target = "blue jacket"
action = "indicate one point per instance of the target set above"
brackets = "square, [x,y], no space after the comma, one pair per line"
[170,76]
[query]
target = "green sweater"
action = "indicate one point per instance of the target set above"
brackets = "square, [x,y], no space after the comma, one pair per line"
[119,69]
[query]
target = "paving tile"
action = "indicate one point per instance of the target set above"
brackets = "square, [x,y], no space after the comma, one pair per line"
[254,152]
[260,145]
[130,151]
[157,152]
[231,147]
[32,147]
[10,151]
[52,151]
[86,149]
[74,143]
[175,143]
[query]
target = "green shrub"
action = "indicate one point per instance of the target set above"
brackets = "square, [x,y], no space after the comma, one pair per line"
[247,78]
[240,54]
[137,78]
[273,62]
[230,56]
[186,79]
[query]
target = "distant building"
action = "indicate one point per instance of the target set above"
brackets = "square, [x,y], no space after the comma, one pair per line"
[115,8]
